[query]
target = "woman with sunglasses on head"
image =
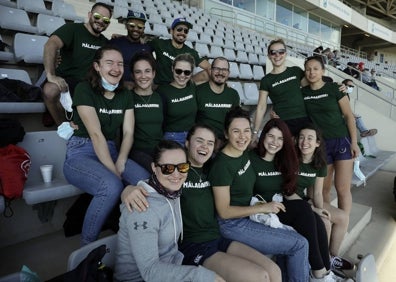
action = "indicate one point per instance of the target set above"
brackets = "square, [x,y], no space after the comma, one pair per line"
[233,178]
[282,85]
[202,243]
[179,99]
[276,165]
[93,164]
[148,113]
[311,153]
[329,109]
[148,241]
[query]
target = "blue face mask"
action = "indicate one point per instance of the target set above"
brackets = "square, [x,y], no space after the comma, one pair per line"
[108,86]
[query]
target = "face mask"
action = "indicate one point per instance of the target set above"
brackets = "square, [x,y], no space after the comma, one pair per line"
[66,101]
[108,86]
[65,131]
[349,90]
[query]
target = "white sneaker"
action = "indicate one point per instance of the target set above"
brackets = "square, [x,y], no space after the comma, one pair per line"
[329,277]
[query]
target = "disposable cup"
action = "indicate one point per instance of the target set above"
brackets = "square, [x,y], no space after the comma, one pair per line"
[46,172]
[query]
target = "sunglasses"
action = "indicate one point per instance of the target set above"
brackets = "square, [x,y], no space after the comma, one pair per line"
[180,71]
[168,169]
[216,69]
[180,29]
[98,16]
[138,26]
[280,52]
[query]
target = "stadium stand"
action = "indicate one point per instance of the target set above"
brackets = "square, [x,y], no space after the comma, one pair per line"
[33,54]
[36,6]
[47,24]
[6,55]
[15,19]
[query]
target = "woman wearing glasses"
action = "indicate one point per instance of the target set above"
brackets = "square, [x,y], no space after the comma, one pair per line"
[148,241]
[148,114]
[202,243]
[180,103]
[282,85]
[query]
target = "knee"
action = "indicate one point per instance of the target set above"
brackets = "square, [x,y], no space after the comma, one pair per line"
[50,91]
[272,273]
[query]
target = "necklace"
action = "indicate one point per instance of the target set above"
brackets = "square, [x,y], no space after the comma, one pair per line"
[144,100]
[197,173]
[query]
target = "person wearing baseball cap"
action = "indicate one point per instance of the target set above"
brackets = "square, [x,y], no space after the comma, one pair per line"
[167,49]
[132,43]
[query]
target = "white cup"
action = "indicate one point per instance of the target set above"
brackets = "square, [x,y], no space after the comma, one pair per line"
[46,172]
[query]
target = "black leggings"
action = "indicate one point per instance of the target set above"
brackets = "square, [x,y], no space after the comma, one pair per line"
[305,221]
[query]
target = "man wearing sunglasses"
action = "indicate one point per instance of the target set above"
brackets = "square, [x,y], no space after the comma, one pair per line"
[132,43]
[167,49]
[75,44]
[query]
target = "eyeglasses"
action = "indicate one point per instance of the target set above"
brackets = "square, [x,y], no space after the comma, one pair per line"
[180,29]
[98,16]
[168,169]
[180,71]
[351,86]
[279,51]
[217,69]
[138,26]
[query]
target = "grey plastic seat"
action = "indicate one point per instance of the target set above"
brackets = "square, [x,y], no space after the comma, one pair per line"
[245,71]
[218,41]
[229,54]
[36,6]
[216,51]
[193,36]
[251,92]
[234,70]
[258,72]
[6,56]
[65,10]
[160,30]
[202,49]
[15,74]
[238,87]
[15,19]
[253,59]
[205,38]
[33,54]
[8,3]
[241,56]
[48,24]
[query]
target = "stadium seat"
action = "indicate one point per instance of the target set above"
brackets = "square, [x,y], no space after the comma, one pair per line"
[218,41]
[8,3]
[258,72]
[48,24]
[66,11]
[262,60]
[155,18]
[202,49]
[245,71]
[241,56]
[33,54]
[15,74]
[121,3]
[160,30]
[219,33]
[238,87]
[216,51]
[80,254]
[253,59]
[5,55]
[120,12]
[209,30]
[193,36]
[15,19]
[205,38]
[229,54]
[251,92]
[36,6]
[249,48]
[198,28]
[239,46]
[234,70]
[189,44]
[229,43]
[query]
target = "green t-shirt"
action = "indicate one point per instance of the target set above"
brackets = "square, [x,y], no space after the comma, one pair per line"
[110,111]
[236,173]
[198,208]
[180,107]
[165,53]
[269,181]
[148,121]
[284,90]
[77,53]
[213,107]
[324,110]
[307,175]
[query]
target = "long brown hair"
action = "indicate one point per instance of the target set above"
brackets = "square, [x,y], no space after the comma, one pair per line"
[285,159]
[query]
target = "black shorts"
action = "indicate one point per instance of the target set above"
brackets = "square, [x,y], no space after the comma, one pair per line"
[197,253]
[296,124]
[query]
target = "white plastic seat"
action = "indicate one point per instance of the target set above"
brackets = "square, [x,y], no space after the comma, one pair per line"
[262,60]
[218,41]
[253,59]
[202,49]
[66,11]
[192,36]
[15,19]
[155,18]
[258,72]
[15,74]
[47,24]
[36,6]
[238,87]
[258,50]
[205,38]
[121,3]
[249,48]
[209,31]
[245,71]
[251,93]
[241,56]
[8,3]
[229,54]
[160,30]
[77,256]
[198,28]
[216,51]
[234,70]
[239,46]
[33,54]
[229,43]
[219,33]
[120,12]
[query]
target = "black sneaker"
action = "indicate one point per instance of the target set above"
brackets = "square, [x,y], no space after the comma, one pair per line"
[340,263]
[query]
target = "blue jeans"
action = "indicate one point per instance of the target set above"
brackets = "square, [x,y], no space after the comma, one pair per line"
[83,169]
[271,241]
[179,137]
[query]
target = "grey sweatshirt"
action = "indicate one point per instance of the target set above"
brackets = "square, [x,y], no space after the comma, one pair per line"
[147,244]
